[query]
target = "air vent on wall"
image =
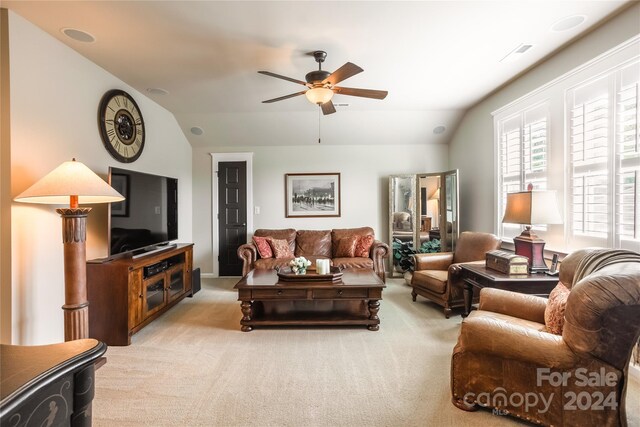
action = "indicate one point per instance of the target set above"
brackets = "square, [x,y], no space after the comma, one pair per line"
[523,48]
[517,52]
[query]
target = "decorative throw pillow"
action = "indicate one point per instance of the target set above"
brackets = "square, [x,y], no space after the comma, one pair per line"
[346,247]
[554,313]
[263,247]
[363,245]
[280,248]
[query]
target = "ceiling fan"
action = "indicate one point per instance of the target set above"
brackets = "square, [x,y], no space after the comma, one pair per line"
[321,84]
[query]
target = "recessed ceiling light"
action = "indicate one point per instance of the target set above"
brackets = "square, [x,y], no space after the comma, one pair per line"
[197,130]
[157,91]
[568,23]
[439,129]
[78,35]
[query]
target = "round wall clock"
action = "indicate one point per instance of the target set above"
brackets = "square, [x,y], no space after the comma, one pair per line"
[121,126]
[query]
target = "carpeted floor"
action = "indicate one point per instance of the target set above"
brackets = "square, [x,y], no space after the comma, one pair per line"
[193,367]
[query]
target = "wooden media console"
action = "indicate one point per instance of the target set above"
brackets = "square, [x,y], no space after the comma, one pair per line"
[127,294]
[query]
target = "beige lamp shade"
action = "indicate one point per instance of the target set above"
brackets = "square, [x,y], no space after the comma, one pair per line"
[532,207]
[435,195]
[319,95]
[70,179]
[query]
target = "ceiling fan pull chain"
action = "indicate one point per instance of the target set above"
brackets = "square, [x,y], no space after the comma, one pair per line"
[319,108]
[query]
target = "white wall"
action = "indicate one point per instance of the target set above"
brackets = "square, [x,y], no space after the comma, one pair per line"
[364,184]
[55,94]
[5,184]
[472,146]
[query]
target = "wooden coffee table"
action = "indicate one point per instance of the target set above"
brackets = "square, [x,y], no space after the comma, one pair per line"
[267,301]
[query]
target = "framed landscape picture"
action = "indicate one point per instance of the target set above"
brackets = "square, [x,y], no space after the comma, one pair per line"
[312,194]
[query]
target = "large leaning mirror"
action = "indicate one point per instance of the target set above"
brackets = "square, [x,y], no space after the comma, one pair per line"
[423,216]
[402,206]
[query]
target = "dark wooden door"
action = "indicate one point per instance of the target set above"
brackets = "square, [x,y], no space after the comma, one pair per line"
[232,215]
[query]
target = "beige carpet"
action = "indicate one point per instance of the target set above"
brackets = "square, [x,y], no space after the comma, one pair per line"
[193,367]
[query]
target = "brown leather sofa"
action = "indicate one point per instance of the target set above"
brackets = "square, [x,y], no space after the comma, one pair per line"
[506,361]
[315,244]
[436,274]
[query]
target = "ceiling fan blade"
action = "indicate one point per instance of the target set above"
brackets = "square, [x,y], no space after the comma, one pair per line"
[343,73]
[269,101]
[278,76]
[328,108]
[365,93]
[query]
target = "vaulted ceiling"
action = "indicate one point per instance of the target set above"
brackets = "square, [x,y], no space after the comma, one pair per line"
[436,58]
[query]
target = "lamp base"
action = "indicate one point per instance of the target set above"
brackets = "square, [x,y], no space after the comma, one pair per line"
[76,305]
[531,246]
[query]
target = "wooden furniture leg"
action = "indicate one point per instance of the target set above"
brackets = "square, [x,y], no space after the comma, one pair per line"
[374,306]
[245,306]
[468,298]
[447,312]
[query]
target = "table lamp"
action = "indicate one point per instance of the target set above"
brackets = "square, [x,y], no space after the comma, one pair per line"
[527,208]
[74,183]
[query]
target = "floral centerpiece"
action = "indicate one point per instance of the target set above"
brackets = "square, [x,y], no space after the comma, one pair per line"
[299,265]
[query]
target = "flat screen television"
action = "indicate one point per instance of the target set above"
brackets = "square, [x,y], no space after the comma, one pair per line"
[148,217]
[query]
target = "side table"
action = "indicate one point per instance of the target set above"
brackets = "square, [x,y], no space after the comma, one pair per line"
[48,385]
[479,276]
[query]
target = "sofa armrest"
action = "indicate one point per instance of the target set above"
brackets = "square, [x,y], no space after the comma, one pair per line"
[378,252]
[248,253]
[433,261]
[455,289]
[483,334]
[456,269]
[528,307]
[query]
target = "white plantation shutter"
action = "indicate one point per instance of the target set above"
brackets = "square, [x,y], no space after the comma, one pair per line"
[604,160]
[523,154]
[589,157]
[627,157]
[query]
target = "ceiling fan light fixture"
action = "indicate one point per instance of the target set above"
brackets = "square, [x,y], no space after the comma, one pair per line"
[320,85]
[319,95]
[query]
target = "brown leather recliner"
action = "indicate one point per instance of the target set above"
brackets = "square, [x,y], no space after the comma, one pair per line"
[436,275]
[505,360]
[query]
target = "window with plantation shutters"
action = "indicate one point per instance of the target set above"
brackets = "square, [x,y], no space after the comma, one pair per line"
[604,160]
[577,135]
[523,153]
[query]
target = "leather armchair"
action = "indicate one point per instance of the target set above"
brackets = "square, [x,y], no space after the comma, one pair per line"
[505,360]
[436,277]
